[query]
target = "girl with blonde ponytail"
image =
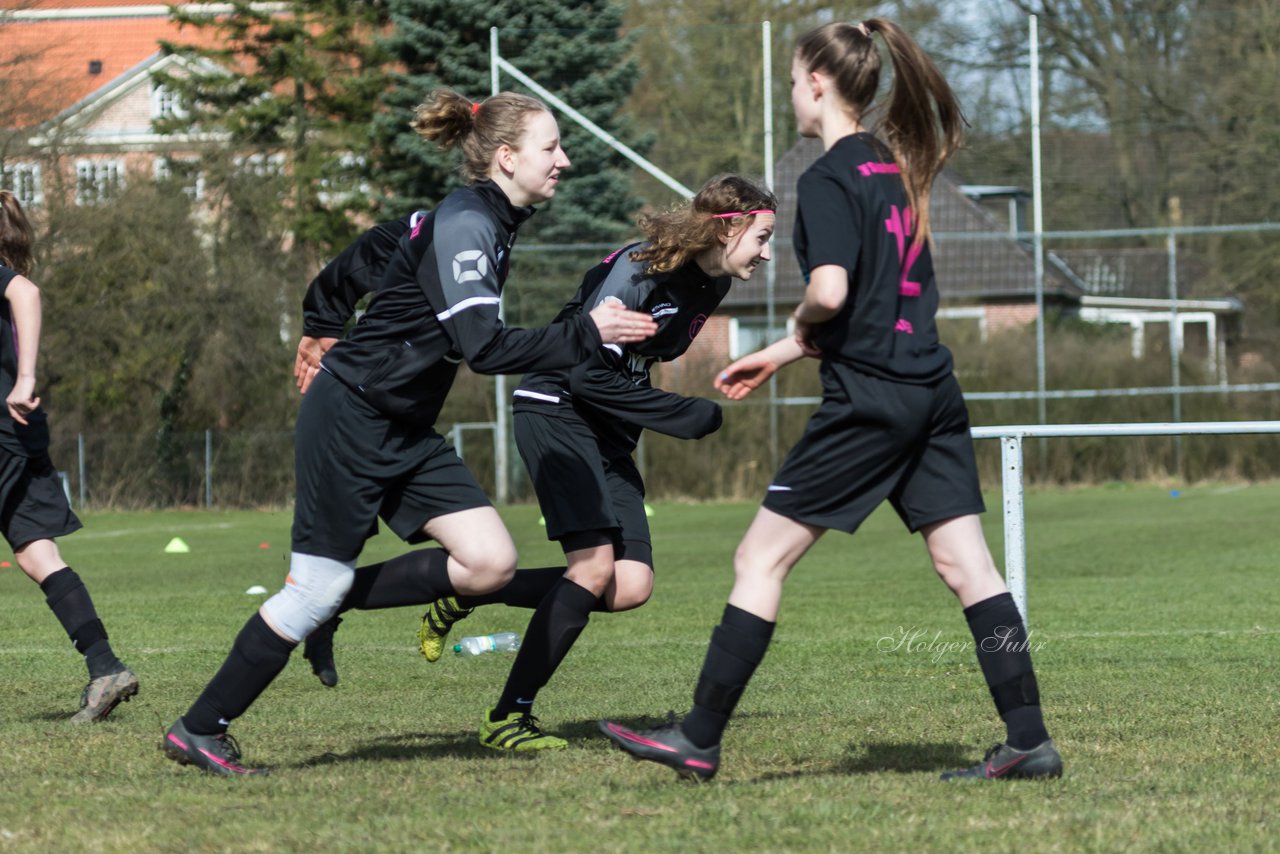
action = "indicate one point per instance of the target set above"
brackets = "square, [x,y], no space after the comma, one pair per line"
[366,446]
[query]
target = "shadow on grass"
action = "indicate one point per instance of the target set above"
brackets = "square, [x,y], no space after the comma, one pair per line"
[420,745]
[867,758]
[906,758]
[882,758]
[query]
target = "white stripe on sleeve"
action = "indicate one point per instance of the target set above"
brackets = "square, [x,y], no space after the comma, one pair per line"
[470,302]
[549,398]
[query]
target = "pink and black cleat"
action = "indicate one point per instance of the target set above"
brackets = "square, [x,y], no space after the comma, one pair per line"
[214,754]
[1003,762]
[666,745]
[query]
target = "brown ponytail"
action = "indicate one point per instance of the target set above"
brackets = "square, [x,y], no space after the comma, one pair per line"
[480,129]
[16,235]
[922,123]
[683,232]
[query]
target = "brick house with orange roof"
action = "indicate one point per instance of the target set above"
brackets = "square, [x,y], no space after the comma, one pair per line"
[76,94]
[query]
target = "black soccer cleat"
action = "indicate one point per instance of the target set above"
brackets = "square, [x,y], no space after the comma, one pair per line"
[214,754]
[1003,762]
[318,649]
[666,745]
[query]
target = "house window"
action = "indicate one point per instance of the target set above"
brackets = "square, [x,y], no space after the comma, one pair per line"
[23,180]
[261,165]
[748,334]
[185,173]
[97,180]
[342,180]
[165,104]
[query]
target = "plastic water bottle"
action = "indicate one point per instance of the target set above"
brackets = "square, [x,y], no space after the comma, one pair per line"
[501,642]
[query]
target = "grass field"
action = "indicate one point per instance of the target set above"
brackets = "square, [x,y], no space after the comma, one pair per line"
[1156,622]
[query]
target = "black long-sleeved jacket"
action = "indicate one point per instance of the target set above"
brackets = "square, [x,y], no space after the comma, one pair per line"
[332,295]
[437,305]
[611,391]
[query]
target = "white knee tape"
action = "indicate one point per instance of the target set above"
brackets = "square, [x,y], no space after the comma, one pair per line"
[311,594]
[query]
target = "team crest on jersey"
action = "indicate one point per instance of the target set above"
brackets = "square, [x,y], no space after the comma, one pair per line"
[696,326]
[470,266]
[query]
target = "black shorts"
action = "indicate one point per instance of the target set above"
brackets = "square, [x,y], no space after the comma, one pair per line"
[354,464]
[873,439]
[586,499]
[32,503]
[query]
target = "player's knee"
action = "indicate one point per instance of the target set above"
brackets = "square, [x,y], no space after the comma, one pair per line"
[749,565]
[311,594]
[959,575]
[39,558]
[490,568]
[629,597]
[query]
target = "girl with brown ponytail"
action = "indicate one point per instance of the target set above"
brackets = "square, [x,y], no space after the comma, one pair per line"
[33,507]
[892,423]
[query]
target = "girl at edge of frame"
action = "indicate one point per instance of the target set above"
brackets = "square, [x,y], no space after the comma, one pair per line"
[892,423]
[34,510]
[576,430]
[365,443]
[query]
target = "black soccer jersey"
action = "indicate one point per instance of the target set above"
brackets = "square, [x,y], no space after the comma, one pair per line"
[332,295]
[853,212]
[14,437]
[437,304]
[612,391]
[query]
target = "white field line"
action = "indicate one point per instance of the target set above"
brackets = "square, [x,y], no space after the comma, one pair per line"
[89,533]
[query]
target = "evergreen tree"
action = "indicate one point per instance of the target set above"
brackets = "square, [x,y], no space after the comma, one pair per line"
[574,50]
[302,83]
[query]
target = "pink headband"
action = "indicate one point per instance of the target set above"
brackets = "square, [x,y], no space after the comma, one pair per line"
[748,213]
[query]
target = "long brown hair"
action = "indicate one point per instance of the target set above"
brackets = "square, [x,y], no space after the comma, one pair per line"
[923,123]
[16,235]
[683,232]
[480,129]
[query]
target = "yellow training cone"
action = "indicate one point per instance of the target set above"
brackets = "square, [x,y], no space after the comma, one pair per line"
[177,547]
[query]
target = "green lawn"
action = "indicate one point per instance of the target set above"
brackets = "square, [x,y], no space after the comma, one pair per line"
[1157,628]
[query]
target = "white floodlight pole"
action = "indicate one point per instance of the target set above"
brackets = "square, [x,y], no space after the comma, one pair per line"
[1038,214]
[771,270]
[502,484]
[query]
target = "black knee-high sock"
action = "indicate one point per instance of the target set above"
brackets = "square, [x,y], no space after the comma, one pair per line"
[737,647]
[256,658]
[555,625]
[415,578]
[527,589]
[1002,644]
[70,602]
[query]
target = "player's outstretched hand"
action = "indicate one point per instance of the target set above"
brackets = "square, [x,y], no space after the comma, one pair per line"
[618,325]
[307,363]
[745,375]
